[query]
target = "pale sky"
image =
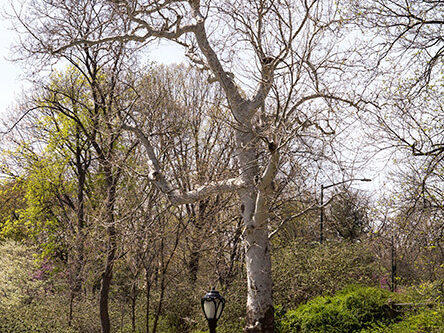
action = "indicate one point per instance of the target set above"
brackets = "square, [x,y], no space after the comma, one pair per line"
[12,82]
[9,72]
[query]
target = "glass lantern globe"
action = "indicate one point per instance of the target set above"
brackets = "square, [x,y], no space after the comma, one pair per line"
[212,305]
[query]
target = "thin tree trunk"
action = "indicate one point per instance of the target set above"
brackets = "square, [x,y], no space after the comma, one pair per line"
[71,305]
[133,307]
[226,279]
[148,291]
[159,305]
[110,253]
[106,281]
[79,236]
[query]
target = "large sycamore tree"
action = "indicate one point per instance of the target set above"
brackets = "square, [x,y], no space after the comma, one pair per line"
[278,64]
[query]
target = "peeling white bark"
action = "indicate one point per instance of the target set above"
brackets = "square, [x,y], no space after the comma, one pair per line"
[257,246]
[254,199]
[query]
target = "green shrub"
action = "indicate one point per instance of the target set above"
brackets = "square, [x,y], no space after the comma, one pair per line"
[317,270]
[17,267]
[428,291]
[427,321]
[31,299]
[350,310]
[32,318]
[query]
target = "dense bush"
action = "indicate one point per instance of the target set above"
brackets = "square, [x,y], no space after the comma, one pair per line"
[426,316]
[33,295]
[36,318]
[19,280]
[301,271]
[350,310]
[430,321]
[34,299]
[428,291]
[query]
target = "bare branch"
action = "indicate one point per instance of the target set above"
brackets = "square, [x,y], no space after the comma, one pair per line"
[289,218]
[175,196]
[129,37]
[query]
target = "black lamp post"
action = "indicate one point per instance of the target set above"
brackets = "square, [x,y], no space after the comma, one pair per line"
[393,285]
[212,306]
[321,225]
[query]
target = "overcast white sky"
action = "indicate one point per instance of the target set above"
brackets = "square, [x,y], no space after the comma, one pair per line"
[11,76]
[9,72]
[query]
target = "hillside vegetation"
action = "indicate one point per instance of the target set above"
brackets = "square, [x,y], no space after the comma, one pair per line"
[34,299]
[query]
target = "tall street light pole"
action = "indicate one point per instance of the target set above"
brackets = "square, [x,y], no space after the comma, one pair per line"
[321,225]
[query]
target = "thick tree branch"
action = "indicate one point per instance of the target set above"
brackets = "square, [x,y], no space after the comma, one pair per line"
[264,86]
[150,32]
[272,167]
[223,77]
[175,196]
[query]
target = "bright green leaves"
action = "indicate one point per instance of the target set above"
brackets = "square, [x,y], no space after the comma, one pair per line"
[36,217]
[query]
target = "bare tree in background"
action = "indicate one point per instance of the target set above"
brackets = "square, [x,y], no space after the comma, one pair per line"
[407,113]
[408,48]
[90,97]
[409,31]
[187,120]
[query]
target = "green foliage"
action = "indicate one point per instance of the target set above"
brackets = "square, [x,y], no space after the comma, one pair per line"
[350,310]
[36,215]
[11,201]
[27,301]
[426,292]
[319,269]
[32,318]
[232,319]
[427,321]
[17,266]
[280,320]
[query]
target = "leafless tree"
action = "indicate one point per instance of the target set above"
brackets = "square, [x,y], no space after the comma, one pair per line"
[406,113]
[405,39]
[409,31]
[89,97]
[278,64]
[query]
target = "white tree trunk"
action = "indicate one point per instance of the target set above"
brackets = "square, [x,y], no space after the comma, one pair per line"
[259,314]
[258,265]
